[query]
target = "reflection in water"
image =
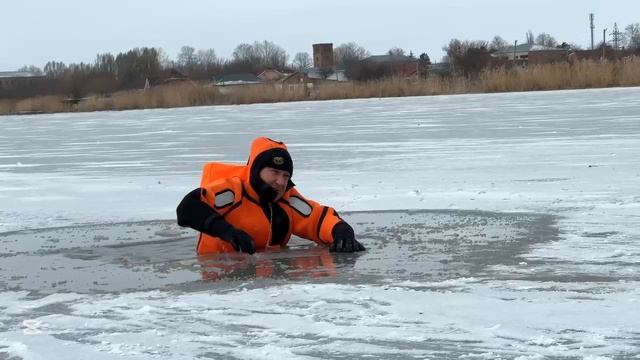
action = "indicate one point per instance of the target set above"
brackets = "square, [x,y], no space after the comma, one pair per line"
[290,264]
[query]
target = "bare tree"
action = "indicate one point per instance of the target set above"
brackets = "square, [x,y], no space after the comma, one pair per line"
[245,53]
[349,56]
[302,60]
[135,66]
[260,54]
[54,69]
[105,63]
[270,54]
[423,65]
[396,51]
[32,69]
[187,56]
[244,59]
[632,33]
[498,43]
[207,60]
[345,54]
[530,37]
[102,80]
[545,39]
[468,57]
[206,56]
[164,60]
[75,80]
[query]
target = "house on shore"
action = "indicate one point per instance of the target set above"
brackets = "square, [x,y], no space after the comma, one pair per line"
[237,79]
[608,53]
[21,84]
[532,54]
[165,77]
[270,75]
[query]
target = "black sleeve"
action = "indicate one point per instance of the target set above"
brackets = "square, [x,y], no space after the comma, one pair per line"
[195,213]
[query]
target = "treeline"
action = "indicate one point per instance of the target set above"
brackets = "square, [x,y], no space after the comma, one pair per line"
[471,58]
[130,70]
[552,76]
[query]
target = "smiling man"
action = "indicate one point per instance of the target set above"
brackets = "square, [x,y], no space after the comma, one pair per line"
[256,206]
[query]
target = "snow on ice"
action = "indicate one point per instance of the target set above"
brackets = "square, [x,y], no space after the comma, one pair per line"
[497,225]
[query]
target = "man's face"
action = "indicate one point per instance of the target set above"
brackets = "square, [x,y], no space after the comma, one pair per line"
[277,179]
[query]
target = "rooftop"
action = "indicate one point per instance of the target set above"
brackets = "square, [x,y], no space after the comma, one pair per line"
[18,74]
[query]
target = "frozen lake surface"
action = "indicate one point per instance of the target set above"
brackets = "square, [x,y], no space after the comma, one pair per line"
[497,226]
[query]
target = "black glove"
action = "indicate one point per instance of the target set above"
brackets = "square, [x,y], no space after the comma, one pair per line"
[240,240]
[198,215]
[344,240]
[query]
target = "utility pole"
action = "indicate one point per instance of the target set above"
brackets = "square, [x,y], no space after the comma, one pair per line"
[617,37]
[515,45]
[592,28]
[604,42]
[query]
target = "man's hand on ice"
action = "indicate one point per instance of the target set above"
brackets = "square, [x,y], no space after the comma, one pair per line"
[344,239]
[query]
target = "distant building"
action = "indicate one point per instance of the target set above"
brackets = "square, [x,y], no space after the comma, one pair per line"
[237,79]
[297,81]
[323,69]
[532,54]
[441,69]
[14,79]
[270,75]
[323,55]
[166,76]
[18,84]
[297,78]
[308,78]
[397,65]
[597,54]
[390,59]
[328,74]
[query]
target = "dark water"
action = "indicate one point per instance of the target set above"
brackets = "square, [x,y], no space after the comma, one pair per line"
[401,245]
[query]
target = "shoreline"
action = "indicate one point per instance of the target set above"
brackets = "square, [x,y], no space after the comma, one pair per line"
[559,76]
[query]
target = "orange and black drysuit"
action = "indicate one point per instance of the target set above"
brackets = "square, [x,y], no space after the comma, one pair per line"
[235,195]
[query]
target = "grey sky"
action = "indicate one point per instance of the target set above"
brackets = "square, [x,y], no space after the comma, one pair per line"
[34,32]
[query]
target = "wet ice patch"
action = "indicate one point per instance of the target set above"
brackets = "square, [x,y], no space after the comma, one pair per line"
[402,245]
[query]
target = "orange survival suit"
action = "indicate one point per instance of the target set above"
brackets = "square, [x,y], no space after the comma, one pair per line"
[234,192]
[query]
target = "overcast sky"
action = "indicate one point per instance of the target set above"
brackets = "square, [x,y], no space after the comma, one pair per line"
[72,31]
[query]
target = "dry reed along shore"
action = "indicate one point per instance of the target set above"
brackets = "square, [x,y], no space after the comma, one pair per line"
[586,74]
